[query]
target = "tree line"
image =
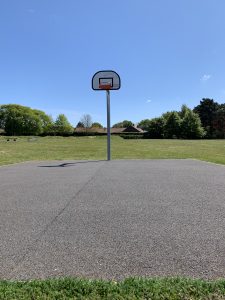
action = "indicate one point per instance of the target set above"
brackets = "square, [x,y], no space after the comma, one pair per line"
[21,120]
[18,120]
[206,120]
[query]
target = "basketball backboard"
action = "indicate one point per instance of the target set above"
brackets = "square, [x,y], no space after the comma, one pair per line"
[106,80]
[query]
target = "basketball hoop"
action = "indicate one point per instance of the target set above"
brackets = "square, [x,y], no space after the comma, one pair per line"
[105,86]
[106,81]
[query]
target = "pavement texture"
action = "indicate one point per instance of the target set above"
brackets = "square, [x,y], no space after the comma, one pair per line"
[111,220]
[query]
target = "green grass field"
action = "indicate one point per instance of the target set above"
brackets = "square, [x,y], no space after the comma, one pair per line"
[130,289]
[88,148]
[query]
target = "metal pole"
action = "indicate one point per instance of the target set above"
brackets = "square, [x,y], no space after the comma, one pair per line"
[108,125]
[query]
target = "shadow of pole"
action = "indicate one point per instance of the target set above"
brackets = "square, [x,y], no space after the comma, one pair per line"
[72,164]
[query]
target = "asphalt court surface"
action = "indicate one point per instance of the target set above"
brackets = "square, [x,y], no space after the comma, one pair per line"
[112,220]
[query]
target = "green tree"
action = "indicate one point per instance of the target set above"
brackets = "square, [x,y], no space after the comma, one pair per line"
[118,125]
[123,124]
[80,125]
[47,122]
[206,111]
[19,120]
[96,125]
[144,124]
[166,115]
[184,110]
[191,127]
[62,125]
[155,129]
[172,125]
[127,123]
[219,122]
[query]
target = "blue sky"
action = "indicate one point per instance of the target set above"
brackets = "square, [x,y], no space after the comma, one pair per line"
[167,53]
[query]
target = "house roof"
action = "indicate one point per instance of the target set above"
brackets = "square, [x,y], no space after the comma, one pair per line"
[133,129]
[113,130]
[99,130]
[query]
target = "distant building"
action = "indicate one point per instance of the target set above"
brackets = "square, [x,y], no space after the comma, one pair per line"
[104,130]
[98,130]
[133,129]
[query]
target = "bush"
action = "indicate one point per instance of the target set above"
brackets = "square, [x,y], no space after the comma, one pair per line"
[132,136]
[88,133]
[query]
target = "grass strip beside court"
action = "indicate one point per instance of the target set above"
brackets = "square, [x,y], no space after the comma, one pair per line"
[94,148]
[132,289]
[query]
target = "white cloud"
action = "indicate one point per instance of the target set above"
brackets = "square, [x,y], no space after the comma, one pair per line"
[206,77]
[148,101]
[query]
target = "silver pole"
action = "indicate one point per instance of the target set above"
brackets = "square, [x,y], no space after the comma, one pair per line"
[108,125]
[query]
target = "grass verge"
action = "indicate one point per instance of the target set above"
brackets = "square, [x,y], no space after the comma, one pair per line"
[132,289]
[94,148]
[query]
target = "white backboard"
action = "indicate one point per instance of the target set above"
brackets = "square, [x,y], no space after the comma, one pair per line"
[106,80]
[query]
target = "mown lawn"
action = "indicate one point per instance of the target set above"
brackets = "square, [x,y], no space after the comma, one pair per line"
[88,148]
[132,289]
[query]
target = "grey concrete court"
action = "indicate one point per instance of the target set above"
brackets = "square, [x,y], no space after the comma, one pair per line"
[113,219]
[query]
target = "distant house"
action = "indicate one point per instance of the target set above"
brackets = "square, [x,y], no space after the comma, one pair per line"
[104,130]
[116,130]
[98,130]
[133,129]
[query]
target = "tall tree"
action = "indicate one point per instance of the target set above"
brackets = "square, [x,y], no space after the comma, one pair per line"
[144,124]
[86,120]
[62,125]
[218,123]
[46,120]
[191,127]
[206,111]
[184,110]
[172,125]
[155,129]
